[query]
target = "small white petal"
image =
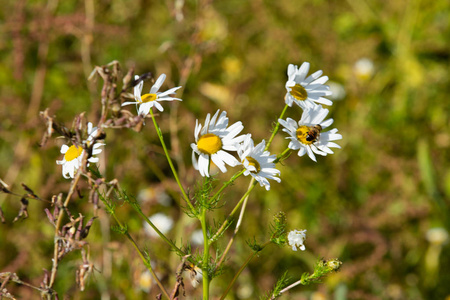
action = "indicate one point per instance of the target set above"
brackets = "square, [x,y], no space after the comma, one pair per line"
[158,84]
[64,149]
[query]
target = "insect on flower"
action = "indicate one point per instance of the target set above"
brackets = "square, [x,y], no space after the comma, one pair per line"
[314,133]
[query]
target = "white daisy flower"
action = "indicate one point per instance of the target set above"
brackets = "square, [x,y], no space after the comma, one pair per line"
[161,221]
[437,236]
[147,101]
[296,238]
[364,69]
[304,91]
[257,162]
[213,140]
[145,281]
[73,155]
[337,90]
[307,136]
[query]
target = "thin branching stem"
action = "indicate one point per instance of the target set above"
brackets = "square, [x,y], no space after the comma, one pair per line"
[226,184]
[174,171]
[144,259]
[244,265]
[206,245]
[290,287]
[283,155]
[230,216]
[59,221]
[277,126]
[169,242]
[251,185]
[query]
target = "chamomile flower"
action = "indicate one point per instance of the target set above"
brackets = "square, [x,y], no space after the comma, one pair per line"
[213,140]
[304,91]
[73,155]
[145,281]
[307,136]
[257,162]
[337,90]
[163,222]
[296,238]
[364,69]
[437,236]
[145,102]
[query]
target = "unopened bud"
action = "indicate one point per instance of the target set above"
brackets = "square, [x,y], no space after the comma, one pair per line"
[334,264]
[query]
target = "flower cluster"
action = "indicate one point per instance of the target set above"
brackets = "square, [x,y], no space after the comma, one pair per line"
[296,238]
[215,140]
[308,92]
[73,155]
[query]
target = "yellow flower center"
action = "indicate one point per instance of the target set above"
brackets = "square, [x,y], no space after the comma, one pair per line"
[209,143]
[148,97]
[299,92]
[73,152]
[303,135]
[255,163]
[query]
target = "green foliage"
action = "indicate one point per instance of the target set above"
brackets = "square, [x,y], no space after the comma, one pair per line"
[121,229]
[321,269]
[254,245]
[278,229]
[281,283]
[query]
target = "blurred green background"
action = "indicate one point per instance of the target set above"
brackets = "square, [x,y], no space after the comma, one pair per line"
[372,204]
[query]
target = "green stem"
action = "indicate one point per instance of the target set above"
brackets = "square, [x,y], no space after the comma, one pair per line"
[282,155]
[144,259]
[175,174]
[205,262]
[251,185]
[277,126]
[249,259]
[226,184]
[171,244]
[230,216]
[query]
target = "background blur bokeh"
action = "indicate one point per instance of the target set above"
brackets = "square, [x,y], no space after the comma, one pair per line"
[380,204]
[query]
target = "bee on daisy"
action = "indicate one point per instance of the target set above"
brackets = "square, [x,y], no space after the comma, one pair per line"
[307,136]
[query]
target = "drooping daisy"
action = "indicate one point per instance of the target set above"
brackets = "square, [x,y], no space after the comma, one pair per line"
[195,275]
[73,155]
[307,136]
[257,162]
[304,91]
[296,238]
[147,101]
[213,140]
